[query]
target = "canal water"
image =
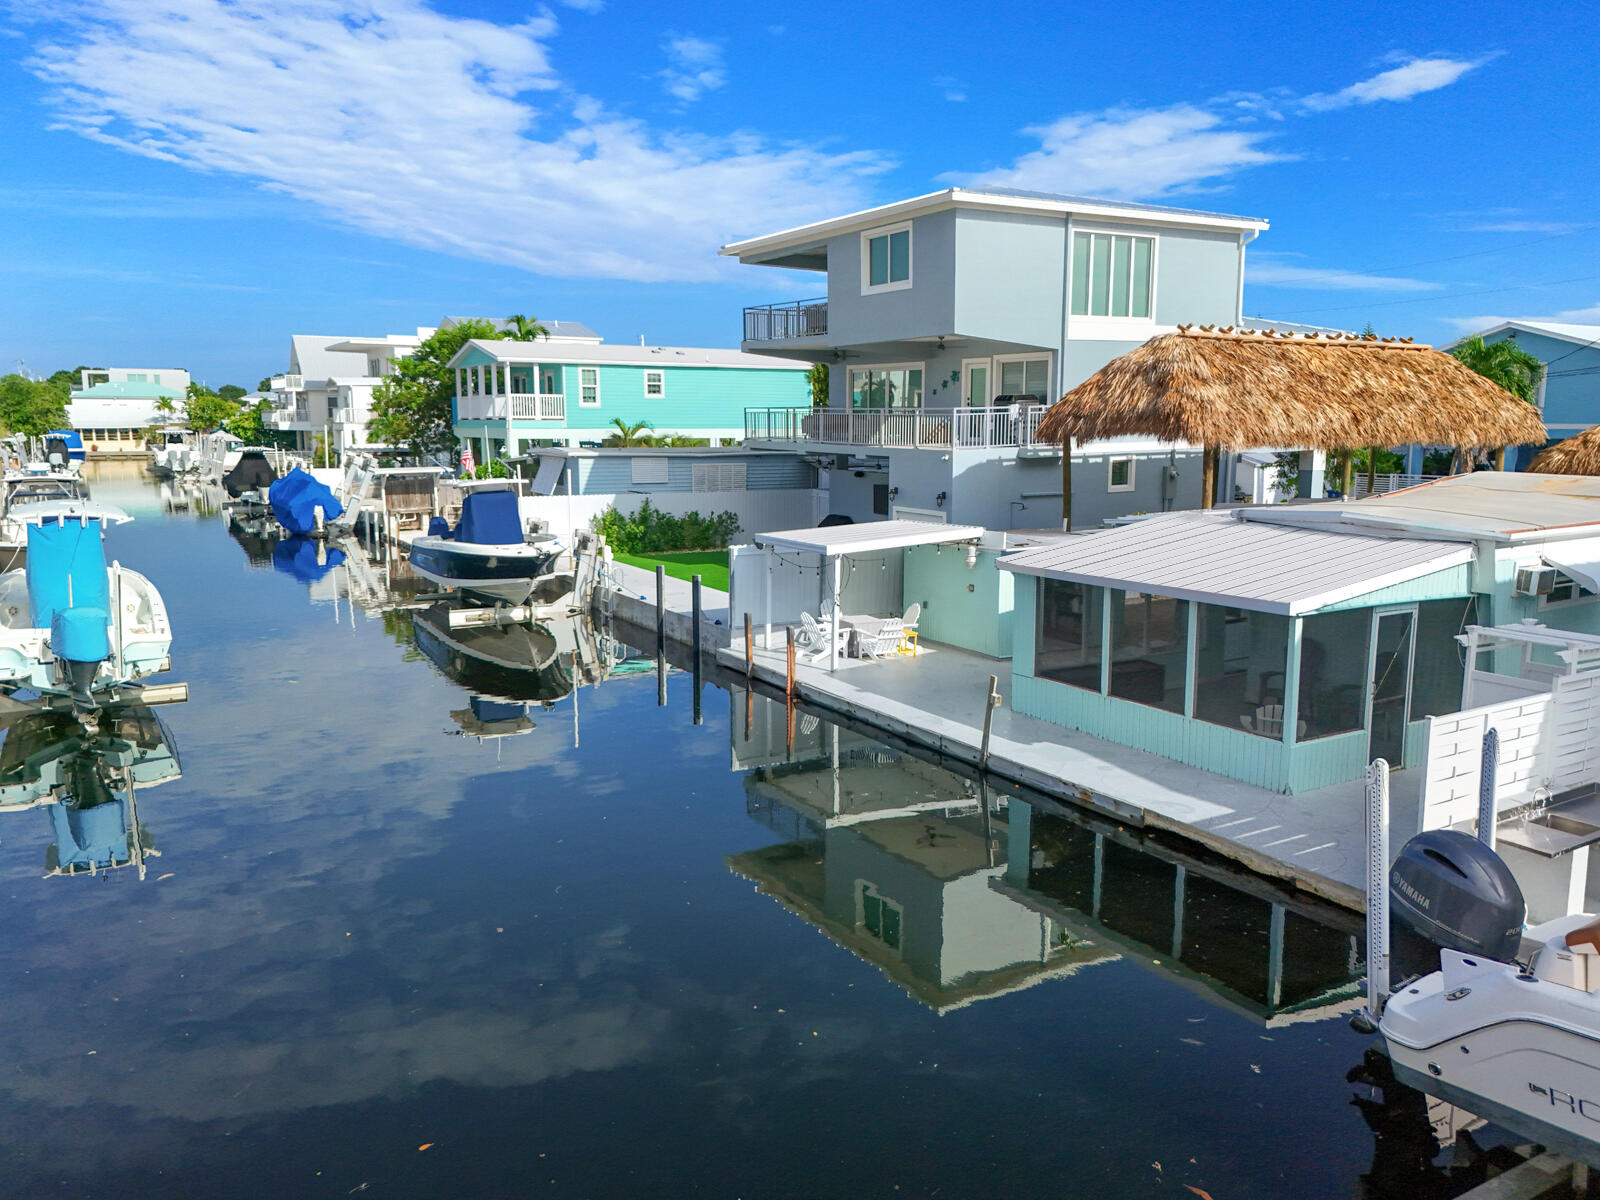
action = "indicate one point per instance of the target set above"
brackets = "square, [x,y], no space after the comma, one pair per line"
[619,954]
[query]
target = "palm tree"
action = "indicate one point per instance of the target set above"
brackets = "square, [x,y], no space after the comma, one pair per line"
[629,435]
[1505,363]
[525,329]
[164,404]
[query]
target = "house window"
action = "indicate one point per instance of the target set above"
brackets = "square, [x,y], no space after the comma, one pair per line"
[878,915]
[1119,474]
[1067,648]
[1025,377]
[589,387]
[1565,590]
[1333,671]
[886,387]
[886,259]
[649,469]
[1149,648]
[1240,663]
[1112,275]
[655,384]
[374,367]
[718,477]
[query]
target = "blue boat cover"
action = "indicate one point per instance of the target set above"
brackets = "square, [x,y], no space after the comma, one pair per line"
[90,837]
[295,497]
[297,556]
[490,519]
[67,572]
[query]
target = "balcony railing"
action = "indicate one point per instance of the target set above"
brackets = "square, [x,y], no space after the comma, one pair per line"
[781,322]
[524,406]
[288,383]
[900,428]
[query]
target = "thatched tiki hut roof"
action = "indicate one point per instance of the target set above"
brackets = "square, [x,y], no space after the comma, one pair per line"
[1577,455]
[1233,389]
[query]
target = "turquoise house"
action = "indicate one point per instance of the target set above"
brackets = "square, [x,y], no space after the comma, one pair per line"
[1288,646]
[512,396]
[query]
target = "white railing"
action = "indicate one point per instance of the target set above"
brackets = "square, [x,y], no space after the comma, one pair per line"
[288,383]
[899,428]
[524,406]
[342,416]
[1384,484]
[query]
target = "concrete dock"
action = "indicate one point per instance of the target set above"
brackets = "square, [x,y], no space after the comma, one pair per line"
[1315,841]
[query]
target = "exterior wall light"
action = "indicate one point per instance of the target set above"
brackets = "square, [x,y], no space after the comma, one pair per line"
[939,499]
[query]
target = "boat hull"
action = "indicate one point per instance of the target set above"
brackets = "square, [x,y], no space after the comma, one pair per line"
[518,661]
[498,572]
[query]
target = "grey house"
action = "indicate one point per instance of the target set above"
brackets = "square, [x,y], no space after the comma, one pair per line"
[952,319]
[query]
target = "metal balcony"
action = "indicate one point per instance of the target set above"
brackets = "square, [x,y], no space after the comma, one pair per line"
[785,322]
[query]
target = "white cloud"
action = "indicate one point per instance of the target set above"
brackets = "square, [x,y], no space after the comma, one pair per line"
[1523,227]
[694,67]
[1571,316]
[955,90]
[1270,273]
[1133,153]
[1398,83]
[414,125]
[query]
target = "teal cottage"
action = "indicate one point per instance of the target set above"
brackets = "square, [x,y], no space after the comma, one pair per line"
[512,396]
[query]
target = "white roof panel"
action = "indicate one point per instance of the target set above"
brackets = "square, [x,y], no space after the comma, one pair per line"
[869,536]
[1578,558]
[542,351]
[1216,559]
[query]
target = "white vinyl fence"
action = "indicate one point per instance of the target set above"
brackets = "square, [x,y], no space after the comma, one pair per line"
[767,509]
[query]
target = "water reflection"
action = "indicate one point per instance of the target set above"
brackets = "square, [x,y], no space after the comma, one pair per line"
[87,783]
[958,893]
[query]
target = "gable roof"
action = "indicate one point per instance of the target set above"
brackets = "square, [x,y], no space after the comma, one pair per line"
[1217,558]
[1584,335]
[992,199]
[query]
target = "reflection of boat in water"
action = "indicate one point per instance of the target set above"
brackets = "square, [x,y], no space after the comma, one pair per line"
[256,534]
[87,783]
[516,660]
[304,558]
[486,718]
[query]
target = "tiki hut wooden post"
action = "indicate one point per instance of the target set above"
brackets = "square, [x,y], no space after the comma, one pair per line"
[1066,485]
[1227,389]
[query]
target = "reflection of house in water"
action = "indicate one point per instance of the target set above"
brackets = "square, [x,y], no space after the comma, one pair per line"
[896,860]
[892,858]
[87,783]
[1230,936]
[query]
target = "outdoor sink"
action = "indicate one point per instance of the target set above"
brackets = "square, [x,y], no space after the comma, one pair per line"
[1570,821]
[1564,824]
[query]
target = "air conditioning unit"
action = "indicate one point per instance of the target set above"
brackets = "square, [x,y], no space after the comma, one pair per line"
[1535,581]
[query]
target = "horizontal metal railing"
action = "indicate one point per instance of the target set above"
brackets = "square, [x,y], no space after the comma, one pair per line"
[899,428]
[780,322]
[1384,484]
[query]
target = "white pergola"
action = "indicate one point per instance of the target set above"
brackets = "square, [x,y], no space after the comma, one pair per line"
[834,543]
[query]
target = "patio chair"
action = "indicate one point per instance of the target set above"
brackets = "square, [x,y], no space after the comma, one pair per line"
[815,639]
[1268,721]
[885,639]
[908,629]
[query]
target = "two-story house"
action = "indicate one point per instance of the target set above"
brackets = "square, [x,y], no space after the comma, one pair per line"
[113,406]
[1569,393]
[327,390]
[951,319]
[551,392]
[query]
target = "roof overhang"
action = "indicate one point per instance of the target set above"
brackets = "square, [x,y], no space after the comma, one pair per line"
[763,249]
[868,537]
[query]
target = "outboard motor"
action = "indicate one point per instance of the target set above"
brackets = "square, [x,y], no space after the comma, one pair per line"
[1447,889]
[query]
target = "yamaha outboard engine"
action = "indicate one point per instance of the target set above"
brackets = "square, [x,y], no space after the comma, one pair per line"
[1447,889]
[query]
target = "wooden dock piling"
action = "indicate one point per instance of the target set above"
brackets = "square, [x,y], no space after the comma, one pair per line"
[749,649]
[990,702]
[788,683]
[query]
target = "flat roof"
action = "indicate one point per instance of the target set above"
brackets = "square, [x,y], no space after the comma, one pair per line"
[583,353]
[1503,506]
[867,537]
[1217,558]
[992,199]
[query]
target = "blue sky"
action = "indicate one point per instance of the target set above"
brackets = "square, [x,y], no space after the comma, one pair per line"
[188,182]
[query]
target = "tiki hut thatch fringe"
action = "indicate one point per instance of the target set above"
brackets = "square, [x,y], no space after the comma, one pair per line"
[1227,389]
[1578,455]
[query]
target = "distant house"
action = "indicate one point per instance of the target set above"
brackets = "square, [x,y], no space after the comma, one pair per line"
[1569,394]
[551,392]
[951,319]
[112,406]
[327,390]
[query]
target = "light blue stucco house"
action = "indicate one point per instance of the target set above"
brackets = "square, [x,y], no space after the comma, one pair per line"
[1569,393]
[554,392]
[951,319]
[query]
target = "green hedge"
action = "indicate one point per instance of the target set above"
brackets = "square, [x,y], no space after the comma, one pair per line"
[651,531]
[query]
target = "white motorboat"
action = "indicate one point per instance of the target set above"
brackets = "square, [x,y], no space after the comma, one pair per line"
[1518,1045]
[26,488]
[487,554]
[69,623]
[172,452]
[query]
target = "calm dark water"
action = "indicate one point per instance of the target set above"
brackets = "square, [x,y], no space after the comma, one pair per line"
[618,960]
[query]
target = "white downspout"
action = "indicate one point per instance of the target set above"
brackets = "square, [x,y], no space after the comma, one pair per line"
[1238,308]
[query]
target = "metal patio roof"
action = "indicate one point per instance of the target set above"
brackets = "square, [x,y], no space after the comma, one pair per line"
[868,537]
[1215,558]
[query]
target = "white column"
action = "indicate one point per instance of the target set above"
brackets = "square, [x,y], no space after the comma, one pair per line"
[838,617]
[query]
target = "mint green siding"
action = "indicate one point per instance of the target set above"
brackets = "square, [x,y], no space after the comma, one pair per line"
[979,619]
[1441,585]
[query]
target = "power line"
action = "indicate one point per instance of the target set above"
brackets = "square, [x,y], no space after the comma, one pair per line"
[1519,287]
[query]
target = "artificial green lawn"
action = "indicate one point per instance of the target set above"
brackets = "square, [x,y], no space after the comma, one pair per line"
[710,565]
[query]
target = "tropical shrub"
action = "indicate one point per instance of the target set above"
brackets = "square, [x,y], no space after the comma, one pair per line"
[651,531]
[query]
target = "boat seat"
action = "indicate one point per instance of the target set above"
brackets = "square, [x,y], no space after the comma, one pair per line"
[1572,959]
